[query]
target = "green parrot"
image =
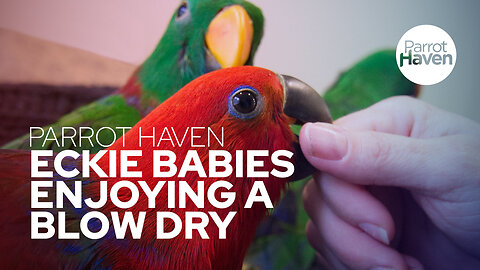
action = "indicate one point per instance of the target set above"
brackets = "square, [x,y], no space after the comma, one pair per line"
[202,36]
[371,80]
[281,242]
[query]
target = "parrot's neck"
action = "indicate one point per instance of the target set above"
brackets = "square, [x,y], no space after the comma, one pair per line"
[138,98]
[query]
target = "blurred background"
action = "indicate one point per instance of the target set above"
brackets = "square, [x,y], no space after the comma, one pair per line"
[100,42]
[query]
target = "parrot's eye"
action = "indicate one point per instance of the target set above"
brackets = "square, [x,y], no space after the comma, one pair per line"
[182,10]
[245,102]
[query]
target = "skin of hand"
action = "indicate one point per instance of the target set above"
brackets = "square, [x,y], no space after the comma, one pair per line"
[398,188]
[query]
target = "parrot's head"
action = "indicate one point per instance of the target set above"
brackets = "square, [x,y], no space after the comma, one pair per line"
[254,107]
[202,36]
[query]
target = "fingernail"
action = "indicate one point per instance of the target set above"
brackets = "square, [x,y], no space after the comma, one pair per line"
[376,232]
[326,141]
[381,268]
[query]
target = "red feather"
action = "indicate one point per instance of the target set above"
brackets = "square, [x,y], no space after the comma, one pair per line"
[17,250]
[201,103]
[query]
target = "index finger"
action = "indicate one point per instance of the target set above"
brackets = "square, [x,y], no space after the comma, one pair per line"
[407,116]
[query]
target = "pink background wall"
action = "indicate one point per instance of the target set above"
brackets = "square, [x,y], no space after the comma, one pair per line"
[121,29]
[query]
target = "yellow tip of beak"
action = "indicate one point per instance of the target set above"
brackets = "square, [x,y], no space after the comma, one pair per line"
[229,36]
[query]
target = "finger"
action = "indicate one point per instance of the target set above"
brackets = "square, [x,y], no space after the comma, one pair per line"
[329,260]
[407,116]
[311,192]
[355,205]
[350,245]
[324,254]
[312,200]
[413,263]
[375,158]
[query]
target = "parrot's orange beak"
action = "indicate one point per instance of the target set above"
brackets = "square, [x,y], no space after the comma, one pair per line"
[304,104]
[229,36]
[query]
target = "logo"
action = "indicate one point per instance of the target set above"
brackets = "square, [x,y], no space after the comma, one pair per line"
[426,54]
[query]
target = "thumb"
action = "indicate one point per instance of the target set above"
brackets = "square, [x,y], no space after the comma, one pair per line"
[373,158]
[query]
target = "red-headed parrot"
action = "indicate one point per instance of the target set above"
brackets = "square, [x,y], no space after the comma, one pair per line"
[202,36]
[254,106]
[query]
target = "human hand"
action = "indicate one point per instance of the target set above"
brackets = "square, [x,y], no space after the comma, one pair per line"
[399,188]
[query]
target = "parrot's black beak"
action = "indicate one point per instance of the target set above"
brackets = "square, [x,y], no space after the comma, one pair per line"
[304,104]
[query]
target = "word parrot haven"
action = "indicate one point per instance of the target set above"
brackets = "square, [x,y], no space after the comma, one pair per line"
[425,54]
[126,194]
[106,136]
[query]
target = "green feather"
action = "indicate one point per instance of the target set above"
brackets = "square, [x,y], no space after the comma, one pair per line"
[102,113]
[371,80]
